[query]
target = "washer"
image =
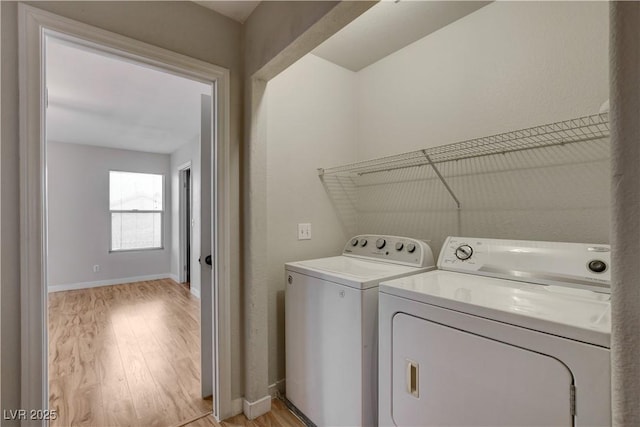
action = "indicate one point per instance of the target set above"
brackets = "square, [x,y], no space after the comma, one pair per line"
[505,333]
[331,307]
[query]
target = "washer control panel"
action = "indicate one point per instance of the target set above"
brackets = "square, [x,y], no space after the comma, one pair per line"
[578,265]
[394,249]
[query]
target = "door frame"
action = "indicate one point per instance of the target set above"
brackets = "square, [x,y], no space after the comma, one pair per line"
[182,217]
[33,25]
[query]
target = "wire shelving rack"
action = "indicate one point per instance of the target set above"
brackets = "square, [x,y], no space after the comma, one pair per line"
[582,129]
[566,132]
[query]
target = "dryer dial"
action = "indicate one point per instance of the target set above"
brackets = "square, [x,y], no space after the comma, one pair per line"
[411,248]
[380,243]
[464,252]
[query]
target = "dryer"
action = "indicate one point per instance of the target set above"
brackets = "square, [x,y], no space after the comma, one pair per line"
[331,307]
[505,333]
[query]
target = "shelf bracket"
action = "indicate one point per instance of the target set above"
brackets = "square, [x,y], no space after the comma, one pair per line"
[444,181]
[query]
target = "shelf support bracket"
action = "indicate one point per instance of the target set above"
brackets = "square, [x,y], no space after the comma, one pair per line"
[444,181]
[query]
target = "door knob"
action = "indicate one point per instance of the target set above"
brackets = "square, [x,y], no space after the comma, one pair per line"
[207,259]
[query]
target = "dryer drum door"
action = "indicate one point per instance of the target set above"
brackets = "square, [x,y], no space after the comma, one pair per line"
[444,376]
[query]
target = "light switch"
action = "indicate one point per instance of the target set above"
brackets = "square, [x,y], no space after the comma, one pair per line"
[304,231]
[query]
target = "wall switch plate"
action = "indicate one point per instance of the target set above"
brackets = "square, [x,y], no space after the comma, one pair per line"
[304,231]
[96,268]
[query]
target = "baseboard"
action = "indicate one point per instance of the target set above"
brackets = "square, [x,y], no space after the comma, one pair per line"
[277,389]
[253,410]
[236,406]
[174,277]
[195,292]
[98,283]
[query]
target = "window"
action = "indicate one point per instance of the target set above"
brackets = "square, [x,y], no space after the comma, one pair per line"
[136,204]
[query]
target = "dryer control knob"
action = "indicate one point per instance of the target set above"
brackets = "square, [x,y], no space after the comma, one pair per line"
[363,242]
[354,242]
[411,248]
[399,246]
[380,243]
[597,266]
[464,252]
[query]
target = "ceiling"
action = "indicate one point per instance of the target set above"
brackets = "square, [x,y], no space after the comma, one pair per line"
[389,26]
[238,10]
[101,100]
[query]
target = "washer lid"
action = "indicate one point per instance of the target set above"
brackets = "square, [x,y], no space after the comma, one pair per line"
[578,314]
[353,272]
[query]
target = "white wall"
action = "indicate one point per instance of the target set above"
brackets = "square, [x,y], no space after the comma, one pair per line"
[508,66]
[78,221]
[310,116]
[187,153]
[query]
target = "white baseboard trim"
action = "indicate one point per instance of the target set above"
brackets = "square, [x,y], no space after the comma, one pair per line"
[174,277]
[277,389]
[195,292]
[236,406]
[253,410]
[98,283]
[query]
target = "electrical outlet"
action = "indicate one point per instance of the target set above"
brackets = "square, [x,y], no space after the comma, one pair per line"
[96,268]
[304,231]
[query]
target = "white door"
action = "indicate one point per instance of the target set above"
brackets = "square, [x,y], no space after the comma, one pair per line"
[206,245]
[442,376]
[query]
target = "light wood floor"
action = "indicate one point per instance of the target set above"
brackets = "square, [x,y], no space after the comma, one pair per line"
[129,355]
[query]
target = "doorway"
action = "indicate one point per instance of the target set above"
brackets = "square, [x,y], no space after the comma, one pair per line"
[186,224]
[35,25]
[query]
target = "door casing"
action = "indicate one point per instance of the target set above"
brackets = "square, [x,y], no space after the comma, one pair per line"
[34,24]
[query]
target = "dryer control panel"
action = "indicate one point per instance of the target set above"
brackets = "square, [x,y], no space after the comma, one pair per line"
[394,249]
[578,265]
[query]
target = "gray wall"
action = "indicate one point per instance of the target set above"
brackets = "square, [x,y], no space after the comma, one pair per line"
[182,27]
[78,214]
[311,113]
[187,153]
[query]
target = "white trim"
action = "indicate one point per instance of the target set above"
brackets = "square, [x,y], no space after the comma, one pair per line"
[195,292]
[278,389]
[98,283]
[185,165]
[253,410]
[33,24]
[174,278]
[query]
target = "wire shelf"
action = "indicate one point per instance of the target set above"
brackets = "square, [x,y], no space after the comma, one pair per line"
[581,129]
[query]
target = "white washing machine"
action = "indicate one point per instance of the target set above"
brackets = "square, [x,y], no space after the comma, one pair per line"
[331,323]
[505,333]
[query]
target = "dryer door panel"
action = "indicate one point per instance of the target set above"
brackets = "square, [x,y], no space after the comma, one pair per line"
[446,377]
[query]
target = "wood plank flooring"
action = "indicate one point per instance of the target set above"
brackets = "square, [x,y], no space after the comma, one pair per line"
[125,355]
[129,355]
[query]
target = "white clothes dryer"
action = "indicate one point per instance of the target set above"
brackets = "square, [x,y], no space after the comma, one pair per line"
[505,333]
[331,307]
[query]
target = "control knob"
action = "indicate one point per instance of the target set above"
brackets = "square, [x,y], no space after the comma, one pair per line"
[597,266]
[411,248]
[464,252]
[380,243]
[354,242]
[399,246]
[363,242]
